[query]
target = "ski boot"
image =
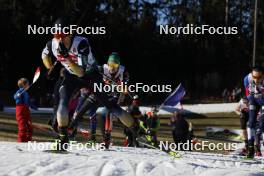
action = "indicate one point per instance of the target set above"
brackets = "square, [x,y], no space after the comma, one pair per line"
[63,142]
[251,151]
[72,133]
[107,139]
[244,150]
[53,124]
[92,139]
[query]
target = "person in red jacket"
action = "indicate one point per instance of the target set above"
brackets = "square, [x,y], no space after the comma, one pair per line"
[22,112]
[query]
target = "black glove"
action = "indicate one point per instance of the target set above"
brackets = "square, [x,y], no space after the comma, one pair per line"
[63,50]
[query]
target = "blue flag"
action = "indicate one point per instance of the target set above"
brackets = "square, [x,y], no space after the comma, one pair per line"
[175,97]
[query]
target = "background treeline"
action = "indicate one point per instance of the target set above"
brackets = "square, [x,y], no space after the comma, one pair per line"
[204,64]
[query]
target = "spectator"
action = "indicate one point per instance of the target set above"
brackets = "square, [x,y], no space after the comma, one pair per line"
[181,132]
[22,111]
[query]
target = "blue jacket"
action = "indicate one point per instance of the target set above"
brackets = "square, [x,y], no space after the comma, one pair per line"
[22,99]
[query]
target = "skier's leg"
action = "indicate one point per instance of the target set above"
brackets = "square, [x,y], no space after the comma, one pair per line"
[128,139]
[56,98]
[117,111]
[260,131]
[66,90]
[62,112]
[106,130]
[62,117]
[93,119]
[251,125]
[81,102]
[105,100]
[243,125]
[155,139]
[74,122]
[261,121]
[257,142]
[93,125]
[108,122]
[109,103]
[259,126]
[86,104]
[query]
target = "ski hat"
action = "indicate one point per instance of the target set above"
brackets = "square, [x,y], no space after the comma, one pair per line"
[114,57]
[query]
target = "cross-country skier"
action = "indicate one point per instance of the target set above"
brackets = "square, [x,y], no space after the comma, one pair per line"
[74,53]
[114,74]
[55,71]
[242,110]
[254,86]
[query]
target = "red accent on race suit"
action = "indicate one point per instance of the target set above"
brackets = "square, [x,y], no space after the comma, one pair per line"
[108,123]
[60,35]
[245,110]
[24,123]
[117,81]
[72,57]
[247,91]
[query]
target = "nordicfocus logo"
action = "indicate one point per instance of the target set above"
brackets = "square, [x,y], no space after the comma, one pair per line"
[199,146]
[191,29]
[68,30]
[138,87]
[72,145]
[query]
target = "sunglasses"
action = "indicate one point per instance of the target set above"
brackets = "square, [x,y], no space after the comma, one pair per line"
[256,77]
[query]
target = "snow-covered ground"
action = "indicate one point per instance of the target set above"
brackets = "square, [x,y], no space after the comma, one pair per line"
[196,108]
[16,159]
